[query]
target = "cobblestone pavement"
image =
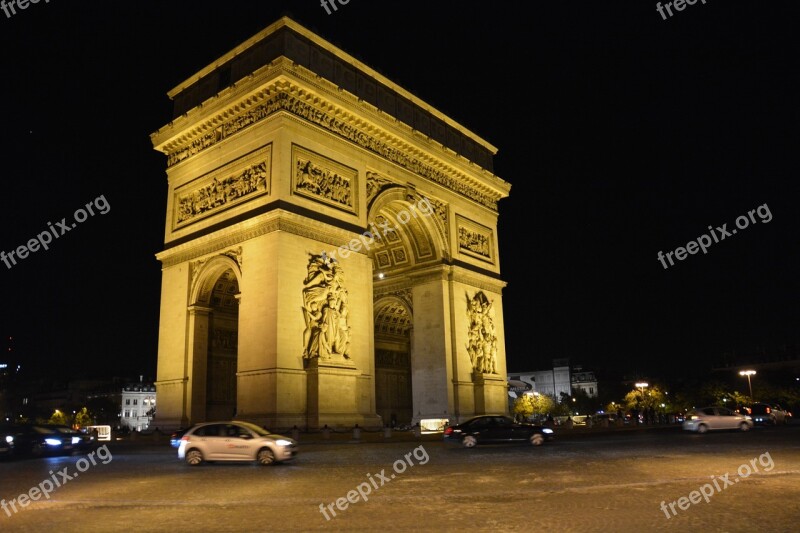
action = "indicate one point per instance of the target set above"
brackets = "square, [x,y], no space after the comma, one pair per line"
[611,482]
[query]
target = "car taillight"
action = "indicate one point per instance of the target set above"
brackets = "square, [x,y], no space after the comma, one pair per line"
[769,410]
[185,437]
[448,431]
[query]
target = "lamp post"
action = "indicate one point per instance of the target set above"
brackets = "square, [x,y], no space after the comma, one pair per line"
[642,385]
[748,373]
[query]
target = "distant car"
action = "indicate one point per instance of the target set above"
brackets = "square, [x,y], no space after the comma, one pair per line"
[38,440]
[175,438]
[601,418]
[81,442]
[496,429]
[6,441]
[234,441]
[768,414]
[716,418]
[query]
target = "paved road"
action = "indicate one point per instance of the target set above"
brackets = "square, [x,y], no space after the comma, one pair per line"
[613,482]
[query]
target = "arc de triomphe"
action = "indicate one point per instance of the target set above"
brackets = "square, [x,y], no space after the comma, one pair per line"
[330,251]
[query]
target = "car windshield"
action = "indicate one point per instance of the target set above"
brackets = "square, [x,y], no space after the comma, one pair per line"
[64,429]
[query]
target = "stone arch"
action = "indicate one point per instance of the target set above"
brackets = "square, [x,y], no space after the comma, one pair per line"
[214,321]
[393,321]
[419,235]
[207,273]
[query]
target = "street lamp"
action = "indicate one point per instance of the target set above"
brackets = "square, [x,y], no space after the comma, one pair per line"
[642,386]
[748,373]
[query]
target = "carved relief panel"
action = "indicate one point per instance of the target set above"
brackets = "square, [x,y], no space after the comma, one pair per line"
[324,180]
[475,239]
[235,183]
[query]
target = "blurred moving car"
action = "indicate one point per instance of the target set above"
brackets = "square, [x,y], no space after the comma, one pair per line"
[234,441]
[37,440]
[768,414]
[81,442]
[496,429]
[716,418]
[175,438]
[6,441]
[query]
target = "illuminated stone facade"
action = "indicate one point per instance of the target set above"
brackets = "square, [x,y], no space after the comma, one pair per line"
[330,247]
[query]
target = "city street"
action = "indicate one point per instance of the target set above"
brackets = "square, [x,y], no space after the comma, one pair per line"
[615,481]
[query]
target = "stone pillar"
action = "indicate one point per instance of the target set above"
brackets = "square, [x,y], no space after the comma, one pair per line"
[489,390]
[332,392]
[197,349]
[431,368]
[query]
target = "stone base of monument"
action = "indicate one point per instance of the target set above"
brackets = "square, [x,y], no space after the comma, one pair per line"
[333,394]
[491,391]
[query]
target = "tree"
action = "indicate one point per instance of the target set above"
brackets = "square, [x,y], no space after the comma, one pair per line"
[528,405]
[58,418]
[84,418]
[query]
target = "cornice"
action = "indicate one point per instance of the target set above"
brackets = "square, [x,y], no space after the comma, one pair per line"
[278,220]
[281,91]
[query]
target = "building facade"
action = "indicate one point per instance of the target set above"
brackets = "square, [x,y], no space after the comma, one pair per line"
[585,381]
[331,252]
[560,380]
[138,406]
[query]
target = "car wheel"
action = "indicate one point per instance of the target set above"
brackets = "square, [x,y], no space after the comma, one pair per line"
[702,428]
[194,457]
[470,441]
[537,439]
[265,457]
[744,426]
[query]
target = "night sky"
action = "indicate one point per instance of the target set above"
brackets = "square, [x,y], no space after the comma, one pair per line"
[621,133]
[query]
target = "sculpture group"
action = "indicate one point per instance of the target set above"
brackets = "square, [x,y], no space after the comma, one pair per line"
[482,346]
[325,310]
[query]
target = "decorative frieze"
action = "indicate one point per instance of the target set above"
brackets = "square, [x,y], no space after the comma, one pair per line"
[324,180]
[285,102]
[475,239]
[233,184]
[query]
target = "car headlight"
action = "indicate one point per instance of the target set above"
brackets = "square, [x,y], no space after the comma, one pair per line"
[9,439]
[283,442]
[547,430]
[53,442]
[76,440]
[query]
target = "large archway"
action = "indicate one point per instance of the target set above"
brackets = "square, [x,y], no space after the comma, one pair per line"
[410,240]
[223,341]
[393,384]
[215,313]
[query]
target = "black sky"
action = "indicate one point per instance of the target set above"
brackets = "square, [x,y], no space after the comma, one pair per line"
[622,135]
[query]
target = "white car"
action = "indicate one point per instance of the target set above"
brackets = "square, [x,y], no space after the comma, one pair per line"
[716,418]
[234,441]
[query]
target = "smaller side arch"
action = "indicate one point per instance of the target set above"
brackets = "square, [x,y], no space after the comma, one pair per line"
[209,272]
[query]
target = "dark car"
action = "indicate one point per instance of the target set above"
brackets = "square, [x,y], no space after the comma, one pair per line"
[496,429]
[6,441]
[80,441]
[175,438]
[38,440]
[767,414]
